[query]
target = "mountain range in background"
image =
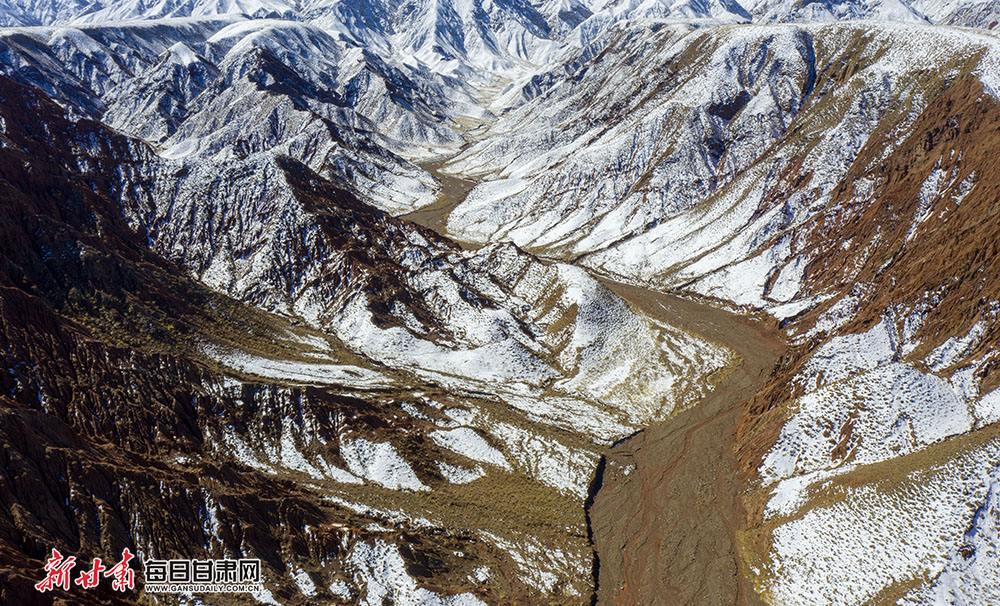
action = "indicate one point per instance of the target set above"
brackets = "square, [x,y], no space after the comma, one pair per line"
[504,302]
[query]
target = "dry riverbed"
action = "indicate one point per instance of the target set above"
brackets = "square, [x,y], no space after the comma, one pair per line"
[665,516]
[664,509]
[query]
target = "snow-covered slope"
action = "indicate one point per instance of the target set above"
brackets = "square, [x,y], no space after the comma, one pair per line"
[26,13]
[692,175]
[836,176]
[231,87]
[781,11]
[965,13]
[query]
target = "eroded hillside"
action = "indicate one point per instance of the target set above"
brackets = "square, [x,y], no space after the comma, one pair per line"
[722,326]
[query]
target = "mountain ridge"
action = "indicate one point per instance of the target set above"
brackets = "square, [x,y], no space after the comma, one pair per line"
[207,224]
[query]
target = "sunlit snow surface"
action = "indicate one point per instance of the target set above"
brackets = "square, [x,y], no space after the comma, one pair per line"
[379,567]
[380,463]
[864,413]
[627,166]
[878,533]
[317,372]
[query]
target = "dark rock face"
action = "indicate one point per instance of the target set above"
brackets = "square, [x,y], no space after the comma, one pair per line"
[727,109]
[88,426]
[104,409]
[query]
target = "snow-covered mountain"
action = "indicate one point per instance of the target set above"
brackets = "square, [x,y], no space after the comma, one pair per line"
[230,88]
[779,11]
[365,266]
[676,176]
[464,38]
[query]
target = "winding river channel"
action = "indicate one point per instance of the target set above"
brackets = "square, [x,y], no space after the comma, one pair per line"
[665,510]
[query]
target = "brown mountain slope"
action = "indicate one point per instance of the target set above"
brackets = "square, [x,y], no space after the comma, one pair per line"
[110,416]
[908,246]
[899,246]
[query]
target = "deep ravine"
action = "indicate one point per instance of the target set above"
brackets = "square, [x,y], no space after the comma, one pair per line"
[664,508]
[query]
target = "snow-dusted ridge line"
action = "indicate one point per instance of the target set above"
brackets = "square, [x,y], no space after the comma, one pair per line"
[656,164]
[318,373]
[643,197]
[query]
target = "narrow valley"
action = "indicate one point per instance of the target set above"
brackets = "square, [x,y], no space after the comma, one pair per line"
[664,510]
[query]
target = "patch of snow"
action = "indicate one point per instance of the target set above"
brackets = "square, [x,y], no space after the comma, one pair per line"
[956,348]
[546,459]
[470,444]
[459,475]
[380,569]
[881,414]
[380,463]
[304,582]
[182,54]
[297,372]
[341,589]
[540,566]
[263,595]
